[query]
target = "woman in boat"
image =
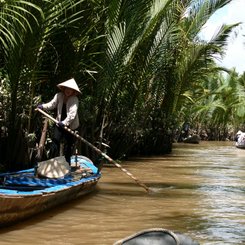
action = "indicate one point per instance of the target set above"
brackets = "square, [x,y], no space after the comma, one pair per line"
[66,102]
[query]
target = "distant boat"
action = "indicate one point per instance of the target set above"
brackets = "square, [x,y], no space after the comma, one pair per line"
[193,139]
[24,194]
[157,236]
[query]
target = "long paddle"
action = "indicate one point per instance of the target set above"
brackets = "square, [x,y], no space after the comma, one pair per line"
[97,150]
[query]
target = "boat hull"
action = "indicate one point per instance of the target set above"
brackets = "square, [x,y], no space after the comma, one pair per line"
[240,146]
[16,204]
[194,139]
[157,236]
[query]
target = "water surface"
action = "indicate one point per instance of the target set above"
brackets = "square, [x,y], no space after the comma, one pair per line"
[198,190]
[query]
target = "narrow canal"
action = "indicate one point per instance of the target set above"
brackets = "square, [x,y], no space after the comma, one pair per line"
[198,190]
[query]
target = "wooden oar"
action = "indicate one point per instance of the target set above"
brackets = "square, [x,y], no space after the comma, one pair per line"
[97,150]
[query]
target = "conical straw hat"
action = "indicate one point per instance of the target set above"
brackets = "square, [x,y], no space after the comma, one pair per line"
[71,83]
[53,168]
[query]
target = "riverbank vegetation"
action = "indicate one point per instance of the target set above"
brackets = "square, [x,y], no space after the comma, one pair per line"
[141,65]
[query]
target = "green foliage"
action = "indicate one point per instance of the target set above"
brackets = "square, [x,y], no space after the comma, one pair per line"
[141,66]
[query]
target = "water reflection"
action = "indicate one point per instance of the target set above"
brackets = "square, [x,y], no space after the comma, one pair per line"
[197,190]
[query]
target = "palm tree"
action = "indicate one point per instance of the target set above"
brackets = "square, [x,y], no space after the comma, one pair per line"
[221,108]
[30,54]
[149,71]
[135,61]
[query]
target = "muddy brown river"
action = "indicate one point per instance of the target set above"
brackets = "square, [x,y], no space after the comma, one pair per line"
[198,190]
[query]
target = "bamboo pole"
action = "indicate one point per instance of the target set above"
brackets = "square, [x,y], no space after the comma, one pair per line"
[98,151]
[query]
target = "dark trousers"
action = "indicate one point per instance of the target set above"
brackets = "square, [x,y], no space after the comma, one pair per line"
[59,134]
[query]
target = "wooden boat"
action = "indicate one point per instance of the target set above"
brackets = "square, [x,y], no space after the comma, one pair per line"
[24,194]
[240,146]
[193,139]
[157,236]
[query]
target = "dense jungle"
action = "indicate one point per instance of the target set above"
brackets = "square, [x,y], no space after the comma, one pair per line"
[142,67]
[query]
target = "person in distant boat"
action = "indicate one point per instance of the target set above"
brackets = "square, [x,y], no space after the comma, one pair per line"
[238,134]
[184,132]
[66,102]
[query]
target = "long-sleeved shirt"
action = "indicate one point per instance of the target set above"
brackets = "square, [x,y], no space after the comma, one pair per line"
[71,120]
